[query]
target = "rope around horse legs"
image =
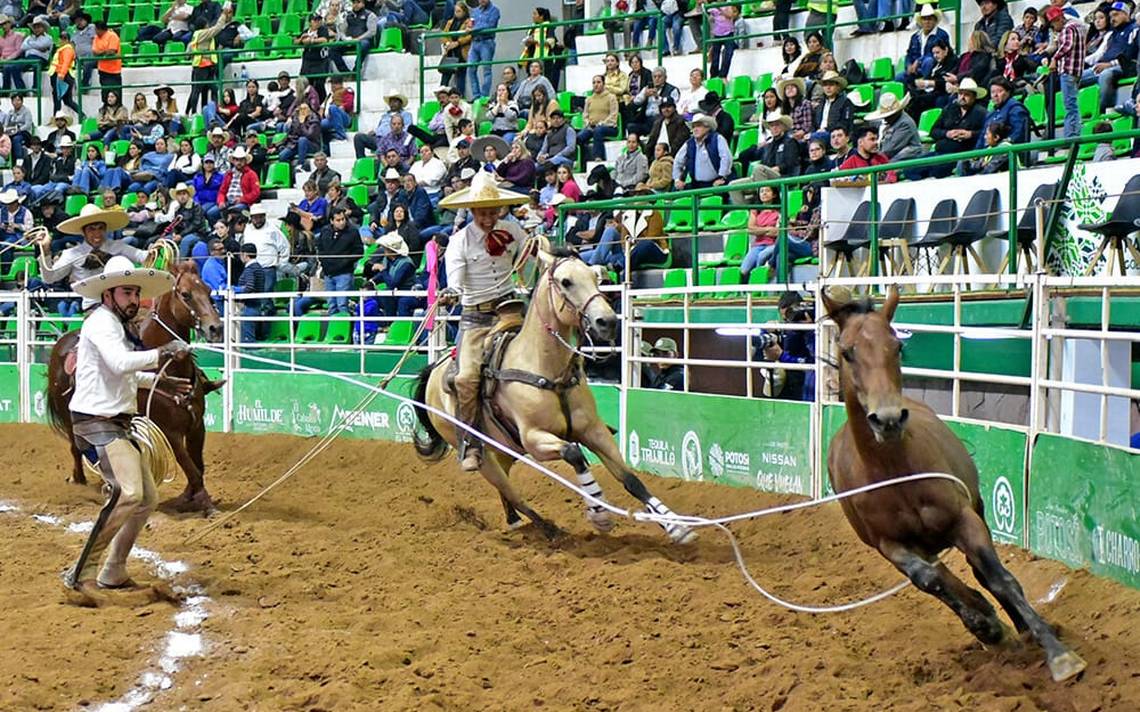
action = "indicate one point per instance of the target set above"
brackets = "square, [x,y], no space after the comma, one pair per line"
[684,520]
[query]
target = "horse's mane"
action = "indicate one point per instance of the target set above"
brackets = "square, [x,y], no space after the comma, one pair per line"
[562,252]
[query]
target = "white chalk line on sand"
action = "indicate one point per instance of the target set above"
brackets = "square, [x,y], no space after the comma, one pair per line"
[184,640]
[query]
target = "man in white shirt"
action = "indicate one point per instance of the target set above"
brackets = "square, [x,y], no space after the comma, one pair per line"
[109,370]
[272,247]
[87,259]
[480,259]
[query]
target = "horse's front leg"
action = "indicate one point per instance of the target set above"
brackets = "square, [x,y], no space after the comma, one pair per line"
[196,469]
[599,439]
[546,446]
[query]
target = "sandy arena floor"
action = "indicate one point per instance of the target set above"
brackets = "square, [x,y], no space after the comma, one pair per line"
[375,582]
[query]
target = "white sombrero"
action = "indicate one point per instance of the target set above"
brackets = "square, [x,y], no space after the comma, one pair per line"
[889,105]
[91,214]
[120,272]
[483,193]
[394,242]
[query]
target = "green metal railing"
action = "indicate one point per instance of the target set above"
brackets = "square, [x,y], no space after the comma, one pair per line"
[827,29]
[873,175]
[36,89]
[548,26]
[224,58]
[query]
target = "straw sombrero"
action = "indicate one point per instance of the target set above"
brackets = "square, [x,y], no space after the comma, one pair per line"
[91,214]
[60,115]
[778,117]
[968,84]
[396,95]
[120,272]
[394,242]
[483,193]
[929,10]
[889,105]
[833,77]
[786,80]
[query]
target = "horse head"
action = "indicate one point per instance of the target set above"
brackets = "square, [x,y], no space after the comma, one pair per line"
[191,305]
[575,301]
[870,364]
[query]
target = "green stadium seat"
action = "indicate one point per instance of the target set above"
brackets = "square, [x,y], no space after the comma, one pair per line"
[1035,105]
[197,126]
[272,8]
[74,204]
[279,175]
[363,172]
[732,108]
[129,200]
[308,330]
[762,84]
[795,202]
[706,277]
[727,276]
[1122,146]
[1088,101]
[90,126]
[741,88]
[359,194]
[129,32]
[715,84]
[290,28]
[735,220]
[285,284]
[680,216]
[278,332]
[245,8]
[19,264]
[201,145]
[709,216]
[144,14]
[391,40]
[338,332]
[279,45]
[926,121]
[735,247]
[760,275]
[148,53]
[675,278]
[748,138]
[400,332]
[564,98]
[118,15]
[866,93]
[175,53]
[428,110]
[895,88]
[263,23]
[882,70]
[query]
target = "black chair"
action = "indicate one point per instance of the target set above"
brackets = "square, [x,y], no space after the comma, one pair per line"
[1125,220]
[973,226]
[942,220]
[853,239]
[895,230]
[1026,230]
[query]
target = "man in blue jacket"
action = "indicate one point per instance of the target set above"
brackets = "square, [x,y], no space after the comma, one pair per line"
[919,59]
[1008,110]
[1119,58]
[419,203]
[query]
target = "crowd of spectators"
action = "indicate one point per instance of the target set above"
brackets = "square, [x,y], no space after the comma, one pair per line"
[675,133]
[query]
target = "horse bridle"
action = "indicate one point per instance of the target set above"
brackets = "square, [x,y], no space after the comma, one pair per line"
[580,311]
[196,326]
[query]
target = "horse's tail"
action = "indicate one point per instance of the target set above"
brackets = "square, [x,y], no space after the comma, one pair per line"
[430,446]
[58,415]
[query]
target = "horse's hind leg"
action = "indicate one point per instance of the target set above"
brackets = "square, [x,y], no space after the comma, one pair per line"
[599,439]
[934,578]
[975,543]
[495,474]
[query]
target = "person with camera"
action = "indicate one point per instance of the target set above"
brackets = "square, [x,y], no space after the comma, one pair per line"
[791,347]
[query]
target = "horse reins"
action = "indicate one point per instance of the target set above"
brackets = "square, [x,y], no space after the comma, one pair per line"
[580,312]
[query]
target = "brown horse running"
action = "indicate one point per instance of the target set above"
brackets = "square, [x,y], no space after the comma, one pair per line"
[888,436]
[185,308]
[544,406]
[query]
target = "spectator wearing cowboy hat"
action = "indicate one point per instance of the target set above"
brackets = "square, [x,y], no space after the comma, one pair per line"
[272,248]
[108,372]
[396,102]
[955,131]
[218,149]
[669,377]
[393,269]
[705,159]
[711,106]
[898,135]
[187,220]
[919,58]
[1118,59]
[835,109]
[240,187]
[794,103]
[62,169]
[11,44]
[62,121]
[86,259]
[15,220]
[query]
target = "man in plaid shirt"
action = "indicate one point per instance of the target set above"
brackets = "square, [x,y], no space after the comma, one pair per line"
[1067,63]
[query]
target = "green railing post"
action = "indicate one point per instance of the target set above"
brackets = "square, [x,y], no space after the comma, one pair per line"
[79,61]
[660,41]
[423,44]
[873,228]
[695,240]
[1012,202]
[703,43]
[782,238]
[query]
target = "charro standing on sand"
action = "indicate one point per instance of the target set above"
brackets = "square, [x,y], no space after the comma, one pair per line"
[108,372]
[480,258]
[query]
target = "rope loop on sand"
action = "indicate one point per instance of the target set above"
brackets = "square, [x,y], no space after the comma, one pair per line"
[686,520]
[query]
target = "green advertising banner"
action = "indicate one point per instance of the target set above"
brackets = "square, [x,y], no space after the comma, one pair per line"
[312,403]
[746,442]
[37,387]
[999,454]
[9,393]
[1084,506]
[215,404]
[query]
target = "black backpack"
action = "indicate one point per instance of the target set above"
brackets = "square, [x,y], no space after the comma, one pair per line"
[853,72]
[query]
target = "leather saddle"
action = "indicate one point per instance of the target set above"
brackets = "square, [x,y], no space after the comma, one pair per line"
[510,321]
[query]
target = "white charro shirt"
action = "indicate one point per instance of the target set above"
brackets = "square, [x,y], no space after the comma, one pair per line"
[70,264]
[108,371]
[472,270]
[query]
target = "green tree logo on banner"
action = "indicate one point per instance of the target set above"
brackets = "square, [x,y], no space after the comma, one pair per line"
[1005,513]
[692,466]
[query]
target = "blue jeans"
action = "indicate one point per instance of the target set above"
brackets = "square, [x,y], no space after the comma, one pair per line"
[720,59]
[797,249]
[186,245]
[337,122]
[640,25]
[338,283]
[301,151]
[1069,90]
[1107,81]
[607,251]
[210,114]
[482,50]
[597,136]
[249,329]
[561,161]
[676,23]
[896,7]
[867,11]
[756,256]
[925,64]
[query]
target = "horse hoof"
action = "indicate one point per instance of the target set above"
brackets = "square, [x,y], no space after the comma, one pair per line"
[600,519]
[516,525]
[683,535]
[1066,665]
[73,480]
[198,502]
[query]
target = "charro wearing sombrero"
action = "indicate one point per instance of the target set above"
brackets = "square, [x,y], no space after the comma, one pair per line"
[479,260]
[108,373]
[88,257]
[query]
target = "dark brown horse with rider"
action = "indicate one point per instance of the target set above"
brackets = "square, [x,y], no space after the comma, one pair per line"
[888,436]
[186,308]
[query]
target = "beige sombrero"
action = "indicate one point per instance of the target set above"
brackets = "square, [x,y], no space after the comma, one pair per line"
[778,117]
[394,242]
[183,188]
[968,84]
[704,120]
[397,95]
[483,193]
[833,77]
[60,115]
[788,79]
[502,148]
[889,105]
[120,272]
[929,10]
[91,214]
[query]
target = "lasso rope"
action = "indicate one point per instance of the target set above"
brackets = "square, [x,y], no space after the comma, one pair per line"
[163,253]
[640,516]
